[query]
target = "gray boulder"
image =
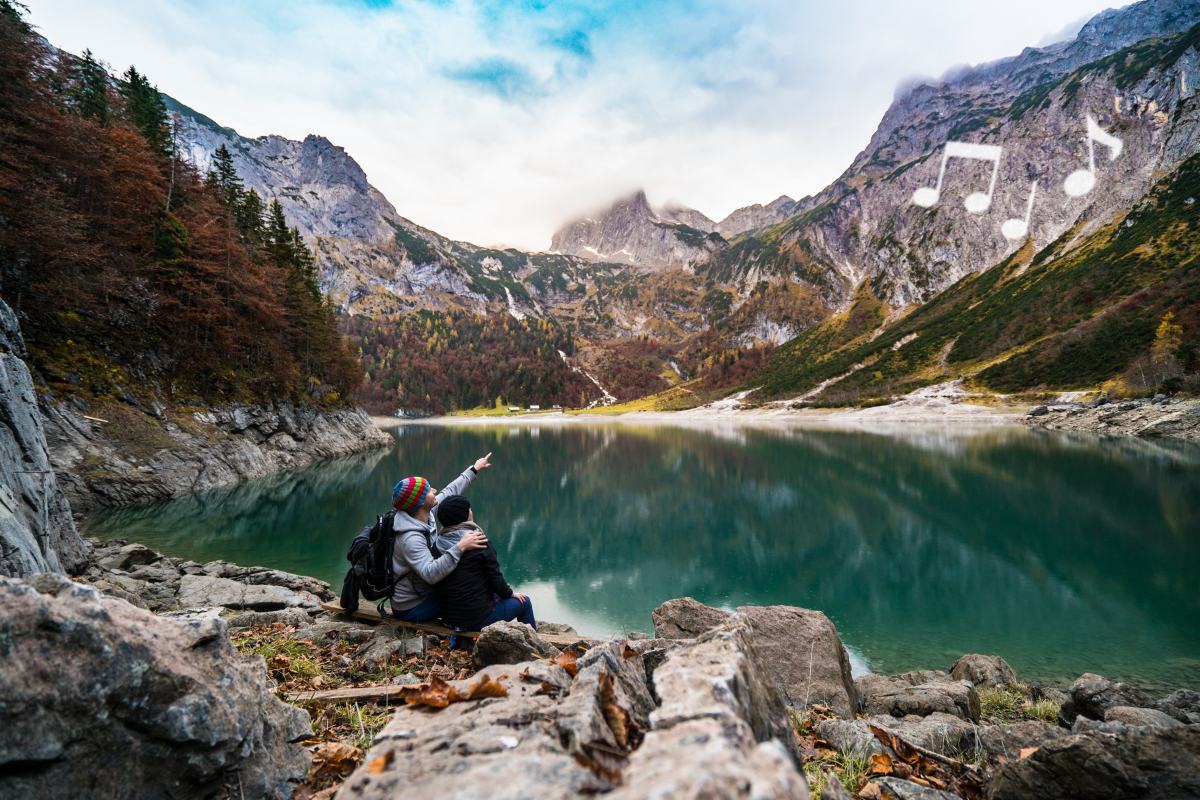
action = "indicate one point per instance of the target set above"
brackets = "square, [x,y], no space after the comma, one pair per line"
[1007,740]
[37,532]
[1144,762]
[721,728]
[124,556]
[510,643]
[296,617]
[1091,695]
[802,647]
[381,651]
[942,733]
[504,748]
[685,618]
[101,699]
[1183,705]
[203,590]
[983,670]
[917,693]
[897,789]
[718,728]
[1140,716]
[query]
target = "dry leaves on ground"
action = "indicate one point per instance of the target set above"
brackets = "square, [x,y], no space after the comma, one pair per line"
[925,767]
[437,693]
[335,758]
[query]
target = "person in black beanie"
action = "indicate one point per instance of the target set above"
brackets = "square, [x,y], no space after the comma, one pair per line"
[475,594]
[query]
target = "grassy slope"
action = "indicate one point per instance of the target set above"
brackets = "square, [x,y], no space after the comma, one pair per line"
[1071,316]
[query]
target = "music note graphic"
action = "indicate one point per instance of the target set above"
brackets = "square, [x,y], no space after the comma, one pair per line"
[1017,228]
[976,202]
[1082,181]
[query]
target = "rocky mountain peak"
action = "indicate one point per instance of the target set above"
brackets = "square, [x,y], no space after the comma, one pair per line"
[631,232]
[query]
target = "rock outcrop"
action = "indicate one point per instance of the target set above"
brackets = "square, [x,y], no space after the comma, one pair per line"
[510,643]
[921,693]
[1143,762]
[631,232]
[161,583]
[686,618]
[707,722]
[177,453]
[99,698]
[1146,417]
[980,670]
[37,533]
[802,646]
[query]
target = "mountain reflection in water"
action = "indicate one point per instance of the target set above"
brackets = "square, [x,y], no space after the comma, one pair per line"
[1063,555]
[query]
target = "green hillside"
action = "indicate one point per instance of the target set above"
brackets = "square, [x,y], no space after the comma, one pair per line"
[1072,316]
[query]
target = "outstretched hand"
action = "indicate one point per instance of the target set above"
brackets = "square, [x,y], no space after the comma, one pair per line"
[483,463]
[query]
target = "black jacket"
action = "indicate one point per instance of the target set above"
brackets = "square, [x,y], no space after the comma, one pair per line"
[467,593]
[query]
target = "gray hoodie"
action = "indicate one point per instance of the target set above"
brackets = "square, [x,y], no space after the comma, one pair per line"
[413,564]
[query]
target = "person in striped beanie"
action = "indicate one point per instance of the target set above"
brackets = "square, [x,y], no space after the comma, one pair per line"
[414,562]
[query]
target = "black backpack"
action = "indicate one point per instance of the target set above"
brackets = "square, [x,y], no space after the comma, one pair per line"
[370,560]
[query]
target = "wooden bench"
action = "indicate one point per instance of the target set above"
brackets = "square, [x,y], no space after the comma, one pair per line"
[368,613]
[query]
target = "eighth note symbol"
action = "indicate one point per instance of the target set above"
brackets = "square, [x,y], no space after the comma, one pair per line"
[976,202]
[1017,228]
[1082,181]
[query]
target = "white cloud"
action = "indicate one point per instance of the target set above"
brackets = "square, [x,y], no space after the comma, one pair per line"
[715,105]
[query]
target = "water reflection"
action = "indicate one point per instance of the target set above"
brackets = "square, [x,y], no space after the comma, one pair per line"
[1062,554]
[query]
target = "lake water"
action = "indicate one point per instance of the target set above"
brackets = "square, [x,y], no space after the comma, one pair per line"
[1063,555]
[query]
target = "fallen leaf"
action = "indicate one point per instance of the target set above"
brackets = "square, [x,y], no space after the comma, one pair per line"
[486,687]
[566,660]
[870,792]
[436,693]
[881,764]
[380,763]
[1026,752]
[336,757]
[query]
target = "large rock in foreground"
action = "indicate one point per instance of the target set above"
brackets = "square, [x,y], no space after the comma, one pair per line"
[1148,763]
[37,533]
[102,699]
[801,645]
[706,722]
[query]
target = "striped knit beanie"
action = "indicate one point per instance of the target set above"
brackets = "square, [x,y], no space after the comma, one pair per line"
[409,494]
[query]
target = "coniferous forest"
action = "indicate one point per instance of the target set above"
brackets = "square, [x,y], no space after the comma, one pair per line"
[440,361]
[129,271]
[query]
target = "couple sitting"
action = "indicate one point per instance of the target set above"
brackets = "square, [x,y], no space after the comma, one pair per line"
[452,575]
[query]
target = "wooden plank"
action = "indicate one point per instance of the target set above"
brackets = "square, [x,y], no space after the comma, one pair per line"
[361,694]
[368,613]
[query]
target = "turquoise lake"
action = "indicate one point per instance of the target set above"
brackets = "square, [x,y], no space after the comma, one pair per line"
[1064,555]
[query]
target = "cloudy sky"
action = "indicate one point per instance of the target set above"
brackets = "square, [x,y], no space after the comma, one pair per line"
[494,122]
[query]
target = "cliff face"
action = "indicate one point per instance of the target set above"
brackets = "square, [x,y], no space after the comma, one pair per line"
[1134,71]
[374,261]
[37,533]
[135,457]
[630,232]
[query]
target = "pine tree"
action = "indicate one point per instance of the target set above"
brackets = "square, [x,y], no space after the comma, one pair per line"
[248,215]
[88,93]
[147,111]
[279,236]
[306,265]
[223,175]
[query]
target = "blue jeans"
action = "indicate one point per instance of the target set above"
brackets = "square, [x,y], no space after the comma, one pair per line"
[511,609]
[428,609]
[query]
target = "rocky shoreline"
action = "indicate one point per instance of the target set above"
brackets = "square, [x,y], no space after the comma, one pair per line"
[1156,417]
[758,702]
[120,454]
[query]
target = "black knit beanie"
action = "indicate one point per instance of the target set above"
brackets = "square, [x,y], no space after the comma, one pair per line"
[453,510]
